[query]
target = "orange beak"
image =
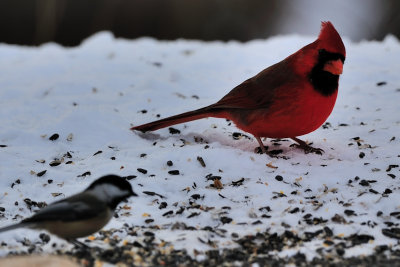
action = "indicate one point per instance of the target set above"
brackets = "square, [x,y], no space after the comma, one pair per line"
[334,66]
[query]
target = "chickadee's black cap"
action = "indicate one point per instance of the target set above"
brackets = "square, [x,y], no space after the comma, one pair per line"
[115,180]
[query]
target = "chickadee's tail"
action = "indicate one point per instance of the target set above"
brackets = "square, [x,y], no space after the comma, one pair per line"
[181,118]
[13,226]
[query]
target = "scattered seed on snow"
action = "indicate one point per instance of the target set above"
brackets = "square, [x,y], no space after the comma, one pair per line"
[373,191]
[387,191]
[98,152]
[129,177]
[338,219]
[201,161]
[328,231]
[195,196]
[395,214]
[193,214]
[238,182]
[266,208]
[30,203]
[392,232]
[278,194]
[350,212]
[173,130]
[269,165]
[40,174]
[212,177]
[236,136]
[70,137]
[218,184]
[18,181]
[168,213]
[359,239]
[381,83]
[85,174]
[153,194]
[144,171]
[391,166]
[54,137]
[225,220]
[55,163]
[295,210]
[162,205]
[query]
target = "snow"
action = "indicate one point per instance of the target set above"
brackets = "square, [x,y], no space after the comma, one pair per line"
[98,90]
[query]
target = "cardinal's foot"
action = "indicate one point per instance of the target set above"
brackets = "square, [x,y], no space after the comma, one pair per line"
[261,150]
[306,147]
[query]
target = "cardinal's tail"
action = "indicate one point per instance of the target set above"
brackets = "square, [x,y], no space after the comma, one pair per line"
[181,118]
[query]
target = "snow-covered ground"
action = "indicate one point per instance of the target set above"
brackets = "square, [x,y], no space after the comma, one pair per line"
[91,95]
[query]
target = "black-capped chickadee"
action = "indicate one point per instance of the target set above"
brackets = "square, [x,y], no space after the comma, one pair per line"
[82,214]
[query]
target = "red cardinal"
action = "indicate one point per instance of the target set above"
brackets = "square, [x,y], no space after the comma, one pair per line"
[288,99]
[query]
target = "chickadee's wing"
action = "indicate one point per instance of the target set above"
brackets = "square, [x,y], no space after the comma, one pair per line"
[78,207]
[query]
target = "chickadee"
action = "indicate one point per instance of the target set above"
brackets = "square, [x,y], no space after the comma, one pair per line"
[82,214]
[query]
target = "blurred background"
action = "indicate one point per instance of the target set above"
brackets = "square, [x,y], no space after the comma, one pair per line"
[69,22]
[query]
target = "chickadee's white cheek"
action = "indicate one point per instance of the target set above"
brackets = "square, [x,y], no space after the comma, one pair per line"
[107,192]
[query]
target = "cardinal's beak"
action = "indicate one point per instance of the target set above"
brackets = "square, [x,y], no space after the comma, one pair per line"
[334,66]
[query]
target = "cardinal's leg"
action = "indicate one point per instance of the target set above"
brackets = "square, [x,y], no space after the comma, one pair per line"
[307,148]
[262,147]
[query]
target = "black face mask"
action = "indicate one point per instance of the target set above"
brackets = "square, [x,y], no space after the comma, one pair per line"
[323,81]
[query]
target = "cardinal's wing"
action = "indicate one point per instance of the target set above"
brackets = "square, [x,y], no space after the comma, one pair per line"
[259,91]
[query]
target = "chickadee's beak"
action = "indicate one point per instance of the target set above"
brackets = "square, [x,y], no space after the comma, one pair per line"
[133,194]
[334,66]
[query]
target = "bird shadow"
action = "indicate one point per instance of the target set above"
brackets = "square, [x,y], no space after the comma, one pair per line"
[150,136]
[235,140]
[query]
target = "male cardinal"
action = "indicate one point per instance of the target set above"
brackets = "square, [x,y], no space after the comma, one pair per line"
[290,98]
